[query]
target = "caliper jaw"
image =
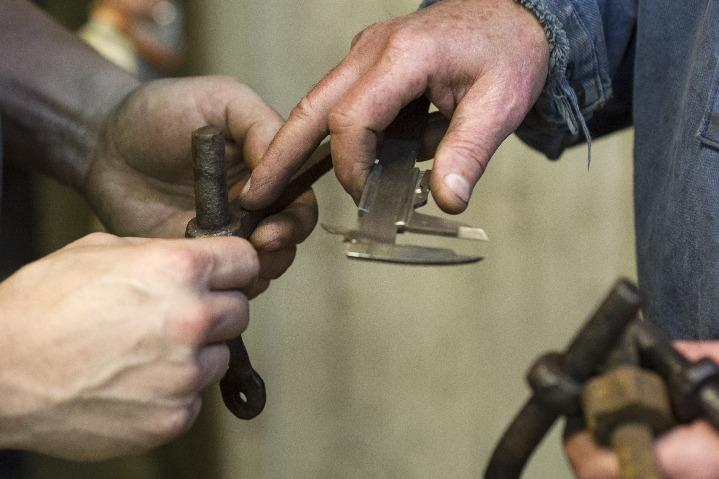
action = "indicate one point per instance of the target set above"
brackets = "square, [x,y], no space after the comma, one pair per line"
[359,246]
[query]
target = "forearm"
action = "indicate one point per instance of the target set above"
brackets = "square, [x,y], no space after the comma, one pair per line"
[54,93]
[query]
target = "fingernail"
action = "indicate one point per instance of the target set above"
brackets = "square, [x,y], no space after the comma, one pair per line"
[246,188]
[459,186]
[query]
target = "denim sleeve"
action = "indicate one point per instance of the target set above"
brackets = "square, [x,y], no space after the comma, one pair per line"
[591,55]
[590,72]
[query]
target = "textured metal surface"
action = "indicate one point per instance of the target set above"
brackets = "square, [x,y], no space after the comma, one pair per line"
[589,348]
[406,254]
[243,390]
[395,184]
[693,386]
[625,394]
[625,405]
[208,161]
[634,445]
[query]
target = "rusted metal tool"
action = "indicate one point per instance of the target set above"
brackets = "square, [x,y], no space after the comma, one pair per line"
[556,380]
[623,376]
[243,389]
[625,407]
[693,385]
[394,189]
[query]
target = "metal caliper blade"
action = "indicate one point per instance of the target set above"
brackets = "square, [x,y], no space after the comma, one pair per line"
[393,190]
[432,225]
[360,248]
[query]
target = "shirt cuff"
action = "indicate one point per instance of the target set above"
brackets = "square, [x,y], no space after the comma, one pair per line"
[578,83]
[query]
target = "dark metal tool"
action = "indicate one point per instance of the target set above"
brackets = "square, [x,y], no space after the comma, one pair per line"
[693,386]
[394,189]
[243,390]
[617,371]
[556,381]
[625,407]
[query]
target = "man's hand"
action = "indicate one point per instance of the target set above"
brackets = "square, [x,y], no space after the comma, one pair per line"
[140,180]
[483,63]
[107,343]
[686,452]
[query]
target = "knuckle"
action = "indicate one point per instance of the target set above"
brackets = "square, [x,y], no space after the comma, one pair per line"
[403,42]
[368,33]
[352,177]
[193,326]
[304,110]
[229,82]
[100,236]
[340,119]
[413,48]
[471,149]
[97,238]
[189,380]
[176,421]
[186,264]
[507,102]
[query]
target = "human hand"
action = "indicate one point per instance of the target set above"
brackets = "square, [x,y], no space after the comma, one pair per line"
[687,452]
[481,62]
[107,343]
[141,182]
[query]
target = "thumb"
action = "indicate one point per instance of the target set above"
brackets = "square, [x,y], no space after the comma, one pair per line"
[481,121]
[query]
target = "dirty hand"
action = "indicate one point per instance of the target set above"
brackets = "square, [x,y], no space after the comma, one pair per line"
[483,63]
[686,452]
[109,354]
[141,182]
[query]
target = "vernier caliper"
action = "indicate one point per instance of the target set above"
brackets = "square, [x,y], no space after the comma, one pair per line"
[394,189]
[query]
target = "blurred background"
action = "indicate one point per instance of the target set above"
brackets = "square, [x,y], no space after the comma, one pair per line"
[372,370]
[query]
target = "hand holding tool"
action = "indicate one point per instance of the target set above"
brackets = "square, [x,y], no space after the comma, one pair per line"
[556,380]
[243,390]
[619,371]
[394,189]
[624,408]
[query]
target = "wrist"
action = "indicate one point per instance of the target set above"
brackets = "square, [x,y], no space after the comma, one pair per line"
[77,164]
[55,92]
[15,407]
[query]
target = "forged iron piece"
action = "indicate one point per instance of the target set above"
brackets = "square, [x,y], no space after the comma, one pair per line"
[208,161]
[633,442]
[693,386]
[243,390]
[554,388]
[625,408]
[622,408]
[589,348]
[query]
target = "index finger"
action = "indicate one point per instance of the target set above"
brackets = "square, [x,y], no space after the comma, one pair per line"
[300,135]
[216,263]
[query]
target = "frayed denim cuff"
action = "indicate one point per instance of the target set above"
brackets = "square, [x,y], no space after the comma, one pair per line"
[578,83]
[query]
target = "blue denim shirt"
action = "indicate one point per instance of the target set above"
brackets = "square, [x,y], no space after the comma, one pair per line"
[653,64]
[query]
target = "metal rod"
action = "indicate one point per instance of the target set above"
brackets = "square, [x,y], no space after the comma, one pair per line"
[208,154]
